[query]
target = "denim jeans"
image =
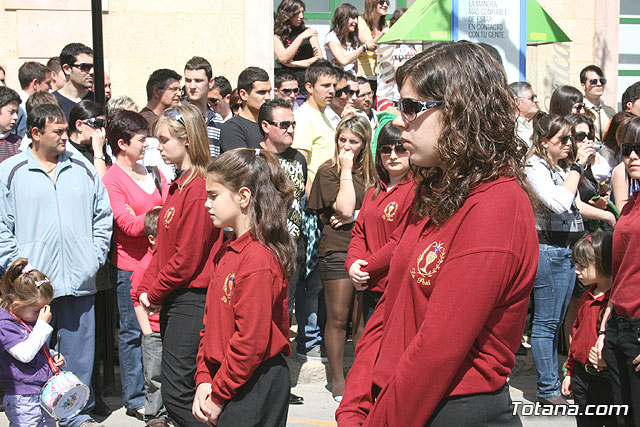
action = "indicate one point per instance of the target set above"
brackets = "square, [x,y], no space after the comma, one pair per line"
[74,319]
[25,410]
[152,360]
[309,309]
[551,292]
[129,343]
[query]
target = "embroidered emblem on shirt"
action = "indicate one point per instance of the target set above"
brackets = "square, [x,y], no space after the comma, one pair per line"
[390,211]
[428,263]
[227,288]
[168,216]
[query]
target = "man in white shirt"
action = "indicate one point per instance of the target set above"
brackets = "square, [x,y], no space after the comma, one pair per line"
[592,81]
[527,102]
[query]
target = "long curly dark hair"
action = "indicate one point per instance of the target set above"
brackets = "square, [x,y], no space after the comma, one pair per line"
[478,142]
[287,10]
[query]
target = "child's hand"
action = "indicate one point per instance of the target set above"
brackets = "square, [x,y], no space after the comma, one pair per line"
[148,308]
[45,314]
[200,408]
[58,360]
[359,277]
[566,386]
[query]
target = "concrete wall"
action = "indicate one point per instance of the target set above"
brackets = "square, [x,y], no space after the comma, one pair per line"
[141,36]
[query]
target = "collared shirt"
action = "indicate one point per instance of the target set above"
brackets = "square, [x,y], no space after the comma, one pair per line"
[214,124]
[524,129]
[602,115]
[246,318]
[314,134]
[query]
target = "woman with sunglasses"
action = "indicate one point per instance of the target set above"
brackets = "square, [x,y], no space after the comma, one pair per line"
[385,209]
[176,281]
[296,47]
[567,100]
[618,338]
[372,25]
[440,344]
[338,190]
[87,122]
[555,181]
[342,47]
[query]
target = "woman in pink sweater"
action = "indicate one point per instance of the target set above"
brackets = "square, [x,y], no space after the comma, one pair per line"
[133,190]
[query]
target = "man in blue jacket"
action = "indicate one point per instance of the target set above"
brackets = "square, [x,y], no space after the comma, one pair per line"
[55,211]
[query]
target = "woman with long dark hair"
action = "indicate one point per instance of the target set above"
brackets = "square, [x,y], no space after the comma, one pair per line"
[566,100]
[295,45]
[440,345]
[341,45]
[372,25]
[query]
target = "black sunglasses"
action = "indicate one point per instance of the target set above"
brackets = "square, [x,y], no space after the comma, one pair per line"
[287,92]
[387,149]
[95,122]
[85,67]
[580,136]
[213,102]
[578,107]
[603,81]
[282,125]
[627,148]
[175,115]
[383,2]
[410,108]
[346,90]
[566,139]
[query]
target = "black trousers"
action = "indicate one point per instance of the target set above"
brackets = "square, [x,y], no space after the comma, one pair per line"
[180,325]
[621,346]
[482,409]
[263,400]
[590,389]
[369,301]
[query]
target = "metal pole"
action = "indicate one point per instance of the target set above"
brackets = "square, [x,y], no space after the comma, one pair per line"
[98,51]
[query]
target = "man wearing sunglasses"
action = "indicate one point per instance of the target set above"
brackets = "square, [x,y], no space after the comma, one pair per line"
[286,88]
[592,81]
[76,60]
[219,97]
[527,102]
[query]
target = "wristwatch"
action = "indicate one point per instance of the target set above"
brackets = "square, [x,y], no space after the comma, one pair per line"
[577,167]
[99,157]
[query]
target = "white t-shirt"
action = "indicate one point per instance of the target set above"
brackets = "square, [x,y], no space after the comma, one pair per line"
[332,37]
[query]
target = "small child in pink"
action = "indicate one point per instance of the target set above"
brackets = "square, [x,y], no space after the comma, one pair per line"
[155,412]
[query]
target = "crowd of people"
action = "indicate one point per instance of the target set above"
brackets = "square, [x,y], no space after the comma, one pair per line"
[427,232]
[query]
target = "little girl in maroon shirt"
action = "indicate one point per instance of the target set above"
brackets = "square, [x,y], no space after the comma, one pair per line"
[589,382]
[242,377]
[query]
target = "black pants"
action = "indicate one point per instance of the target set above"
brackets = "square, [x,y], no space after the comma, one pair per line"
[621,346]
[263,400]
[180,325]
[369,301]
[590,389]
[482,409]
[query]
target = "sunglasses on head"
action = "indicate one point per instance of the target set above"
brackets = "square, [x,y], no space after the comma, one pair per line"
[95,122]
[627,148]
[174,115]
[602,80]
[410,108]
[282,125]
[346,90]
[387,149]
[287,92]
[580,136]
[85,67]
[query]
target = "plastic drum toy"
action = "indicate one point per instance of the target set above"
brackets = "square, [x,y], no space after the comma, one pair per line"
[64,396]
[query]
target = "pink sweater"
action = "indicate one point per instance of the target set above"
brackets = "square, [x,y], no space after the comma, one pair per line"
[129,203]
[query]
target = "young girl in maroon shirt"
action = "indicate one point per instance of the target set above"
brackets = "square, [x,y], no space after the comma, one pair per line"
[440,345]
[589,384]
[242,378]
[385,209]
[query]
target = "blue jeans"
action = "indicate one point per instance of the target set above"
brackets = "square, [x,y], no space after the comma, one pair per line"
[129,345]
[551,292]
[309,309]
[152,360]
[74,319]
[25,410]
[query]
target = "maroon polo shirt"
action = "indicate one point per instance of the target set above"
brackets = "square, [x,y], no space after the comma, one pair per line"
[625,267]
[186,244]
[377,220]
[246,318]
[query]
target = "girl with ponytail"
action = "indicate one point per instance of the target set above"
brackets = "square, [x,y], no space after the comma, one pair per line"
[241,367]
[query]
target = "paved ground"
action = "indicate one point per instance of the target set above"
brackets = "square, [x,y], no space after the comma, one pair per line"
[319,407]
